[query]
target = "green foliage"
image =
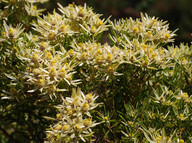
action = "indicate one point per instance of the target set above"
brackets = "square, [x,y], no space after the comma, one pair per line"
[59,83]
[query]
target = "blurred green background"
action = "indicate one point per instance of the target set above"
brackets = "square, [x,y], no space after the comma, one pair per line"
[177,12]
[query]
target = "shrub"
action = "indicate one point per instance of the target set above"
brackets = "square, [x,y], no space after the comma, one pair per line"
[60,83]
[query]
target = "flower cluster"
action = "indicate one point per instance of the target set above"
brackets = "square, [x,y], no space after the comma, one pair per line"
[73,20]
[142,40]
[19,7]
[47,68]
[146,30]
[104,58]
[74,121]
[52,26]
[83,19]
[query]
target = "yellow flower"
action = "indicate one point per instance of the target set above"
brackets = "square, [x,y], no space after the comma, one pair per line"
[154,21]
[77,127]
[110,69]
[58,116]
[76,101]
[70,5]
[65,127]
[35,58]
[14,49]
[58,127]
[175,52]
[40,82]
[62,73]
[106,118]
[144,47]
[140,24]
[171,72]
[185,96]
[69,111]
[117,27]
[93,30]
[181,141]
[66,65]
[53,63]
[52,88]
[181,116]
[80,44]
[109,58]
[183,61]
[148,34]
[51,36]
[36,72]
[145,63]
[89,97]
[99,23]
[34,8]
[52,72]
[81,12]
[153,115]
[99,52]
[85,107]
[130,123]
[28,69]
[49,56]
[62,28]
[150,50]
[130,135]
[118,40]
[11,32]
[87,122]
[98,60]
[166,36]
[71,53]
[4,34]
[161,51]
[90,49]
[136,30]
[153,56]
[84,56]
